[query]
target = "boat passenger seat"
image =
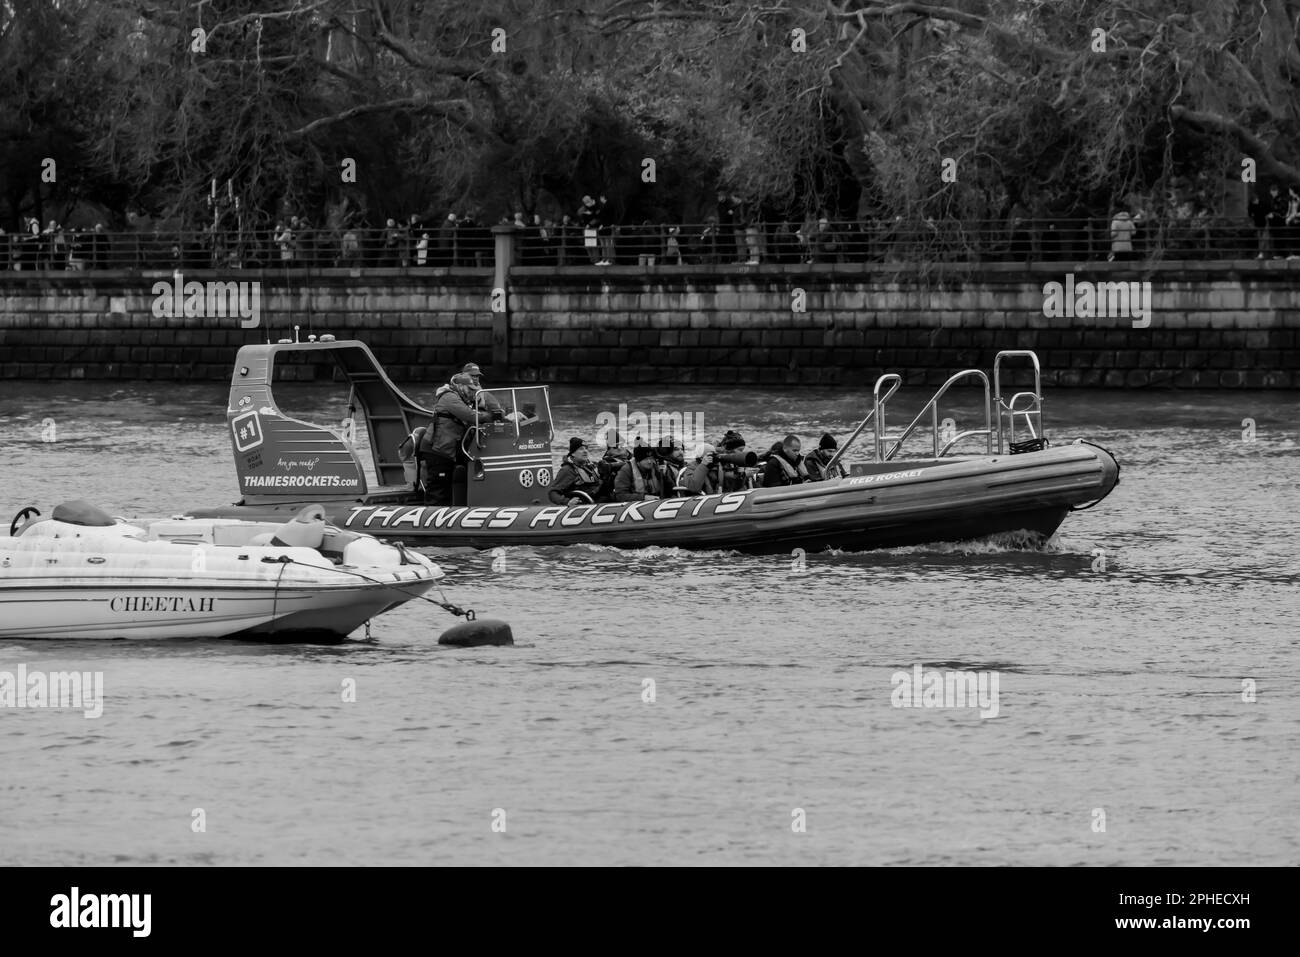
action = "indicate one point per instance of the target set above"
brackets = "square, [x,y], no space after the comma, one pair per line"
[304,530]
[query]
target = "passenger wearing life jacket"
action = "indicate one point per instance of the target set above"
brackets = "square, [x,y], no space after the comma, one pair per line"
[671,458]
[576,482]
[642,479]
[815,462]
[785,464]
[703,475]
[610,464]
[440,447]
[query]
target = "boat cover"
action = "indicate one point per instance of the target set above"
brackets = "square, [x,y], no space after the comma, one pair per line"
[81,513]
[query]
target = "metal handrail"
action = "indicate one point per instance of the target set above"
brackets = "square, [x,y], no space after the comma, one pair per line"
[1008,410]
[878,409]
[933,408]
[839,453]
[165,245]
[890,383]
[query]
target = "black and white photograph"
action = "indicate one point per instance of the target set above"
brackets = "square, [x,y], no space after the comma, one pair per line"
[648,434]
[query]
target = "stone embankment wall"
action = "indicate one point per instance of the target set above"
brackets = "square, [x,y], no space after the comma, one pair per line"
[1220,325]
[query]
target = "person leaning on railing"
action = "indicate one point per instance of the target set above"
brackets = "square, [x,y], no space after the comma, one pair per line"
[1122,229]
[440,449]
[1291,225]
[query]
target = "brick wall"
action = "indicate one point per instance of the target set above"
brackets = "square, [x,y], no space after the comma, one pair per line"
[1228,325]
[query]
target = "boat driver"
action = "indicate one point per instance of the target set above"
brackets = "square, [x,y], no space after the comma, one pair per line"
[576,482]
[440,448]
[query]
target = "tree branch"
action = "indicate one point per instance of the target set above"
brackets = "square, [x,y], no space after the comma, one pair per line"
[418,104]
[1256,147]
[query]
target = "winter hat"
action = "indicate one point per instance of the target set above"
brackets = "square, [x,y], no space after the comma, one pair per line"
[641,453]
[576,443]
[703,449]
[828,442]
[732,440]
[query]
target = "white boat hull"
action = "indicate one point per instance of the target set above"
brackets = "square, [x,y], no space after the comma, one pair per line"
[73,582]
[137,610]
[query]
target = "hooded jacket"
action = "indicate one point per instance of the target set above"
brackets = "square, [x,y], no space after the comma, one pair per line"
[451,416]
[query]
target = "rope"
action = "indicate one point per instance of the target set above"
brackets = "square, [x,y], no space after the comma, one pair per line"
[275,599]
[467,613]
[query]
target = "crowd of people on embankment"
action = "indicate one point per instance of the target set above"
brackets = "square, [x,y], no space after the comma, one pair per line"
[733,232]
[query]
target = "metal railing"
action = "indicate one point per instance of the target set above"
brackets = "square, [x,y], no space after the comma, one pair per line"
[1007,411]
[890,382]
[933,408]
[470,245]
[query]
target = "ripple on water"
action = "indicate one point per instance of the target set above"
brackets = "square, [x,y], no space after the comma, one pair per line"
[1120,687]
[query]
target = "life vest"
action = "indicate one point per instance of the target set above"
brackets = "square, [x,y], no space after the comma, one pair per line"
[801,475]
[586,474]
[639,482]
[817,471]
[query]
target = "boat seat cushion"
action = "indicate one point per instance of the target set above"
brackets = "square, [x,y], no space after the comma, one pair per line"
[304,530]
[82,513]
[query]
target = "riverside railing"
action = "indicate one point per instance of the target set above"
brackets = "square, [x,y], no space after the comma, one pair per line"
[654,245]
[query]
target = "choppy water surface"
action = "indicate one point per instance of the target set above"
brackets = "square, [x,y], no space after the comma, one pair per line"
[1119,690]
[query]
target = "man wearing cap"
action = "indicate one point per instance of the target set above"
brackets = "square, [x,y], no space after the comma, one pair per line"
[815,462]
[440,448]
[641,480]
[486,400]
[702,476]
[785,464]
[576,482]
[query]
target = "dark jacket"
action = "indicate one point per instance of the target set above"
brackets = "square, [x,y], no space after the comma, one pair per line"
[815,463]
[1261,209]
[573,478]
[779,469]
[450,418]
[625,487]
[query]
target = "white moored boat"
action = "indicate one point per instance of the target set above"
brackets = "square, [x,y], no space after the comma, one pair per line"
[83,574]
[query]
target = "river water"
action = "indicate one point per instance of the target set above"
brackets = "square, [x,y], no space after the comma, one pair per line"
[1126,729]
